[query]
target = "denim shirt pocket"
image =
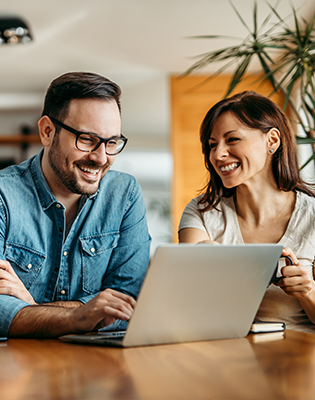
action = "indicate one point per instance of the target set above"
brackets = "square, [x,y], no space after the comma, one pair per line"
[96,252]
[26,263]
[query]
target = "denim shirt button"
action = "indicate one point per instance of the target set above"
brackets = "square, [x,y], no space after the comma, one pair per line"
[65,253]
[58,205]
[29,266]
[92,250]
[62,291]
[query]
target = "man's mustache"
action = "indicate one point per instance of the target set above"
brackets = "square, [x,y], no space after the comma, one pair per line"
[91,164]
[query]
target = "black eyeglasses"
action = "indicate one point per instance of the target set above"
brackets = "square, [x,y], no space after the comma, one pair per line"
[89,142]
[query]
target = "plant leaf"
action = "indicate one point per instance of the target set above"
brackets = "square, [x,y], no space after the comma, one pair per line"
[240,17]
[239,73]
[304,140]
[308,161]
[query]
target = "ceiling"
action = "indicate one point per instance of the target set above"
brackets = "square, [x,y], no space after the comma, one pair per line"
[119,38]
[137,43]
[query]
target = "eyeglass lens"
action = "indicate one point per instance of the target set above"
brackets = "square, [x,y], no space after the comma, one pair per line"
[86,142]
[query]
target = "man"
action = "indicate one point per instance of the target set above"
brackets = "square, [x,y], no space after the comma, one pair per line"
[74,242]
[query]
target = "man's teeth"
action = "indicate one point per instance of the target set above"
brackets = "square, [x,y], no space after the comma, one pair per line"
[90,171]
[229,167]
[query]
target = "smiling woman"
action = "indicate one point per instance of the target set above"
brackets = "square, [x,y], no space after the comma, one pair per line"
[255,125]
[255,195]
[239,153]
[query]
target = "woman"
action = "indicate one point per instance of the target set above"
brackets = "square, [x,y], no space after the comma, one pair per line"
[255,195]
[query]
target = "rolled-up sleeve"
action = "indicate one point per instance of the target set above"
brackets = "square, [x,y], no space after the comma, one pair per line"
[9,307]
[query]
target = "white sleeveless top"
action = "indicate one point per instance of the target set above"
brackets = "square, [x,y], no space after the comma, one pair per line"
[223,227]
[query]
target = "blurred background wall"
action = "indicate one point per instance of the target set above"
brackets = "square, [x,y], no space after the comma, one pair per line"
[140,44]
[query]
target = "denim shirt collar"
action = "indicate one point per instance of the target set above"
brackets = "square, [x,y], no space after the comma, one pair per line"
[47,199]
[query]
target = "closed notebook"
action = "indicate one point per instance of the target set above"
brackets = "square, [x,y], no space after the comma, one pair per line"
[266,326]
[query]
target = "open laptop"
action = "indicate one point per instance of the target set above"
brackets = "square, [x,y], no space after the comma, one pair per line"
[194,293]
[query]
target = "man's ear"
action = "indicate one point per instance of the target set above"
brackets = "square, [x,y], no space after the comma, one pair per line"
[273,139]
[46,130]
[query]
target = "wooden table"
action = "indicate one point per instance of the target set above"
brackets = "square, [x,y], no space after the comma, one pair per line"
[33,369]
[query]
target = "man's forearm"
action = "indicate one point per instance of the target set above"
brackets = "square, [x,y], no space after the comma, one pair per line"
[41,321]
[64,304]
[53,321]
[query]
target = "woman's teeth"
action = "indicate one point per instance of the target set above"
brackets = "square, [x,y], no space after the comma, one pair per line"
[229,167]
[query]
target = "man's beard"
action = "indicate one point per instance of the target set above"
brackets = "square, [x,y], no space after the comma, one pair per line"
[68,177]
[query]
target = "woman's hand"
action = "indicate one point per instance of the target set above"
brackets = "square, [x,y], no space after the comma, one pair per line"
[296,280]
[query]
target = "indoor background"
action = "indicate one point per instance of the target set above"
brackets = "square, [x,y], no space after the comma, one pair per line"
[140,44]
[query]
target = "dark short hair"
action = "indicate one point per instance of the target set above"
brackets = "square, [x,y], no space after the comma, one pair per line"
[257,112]
[77,85]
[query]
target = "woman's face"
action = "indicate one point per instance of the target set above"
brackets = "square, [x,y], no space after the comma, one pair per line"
[239,154]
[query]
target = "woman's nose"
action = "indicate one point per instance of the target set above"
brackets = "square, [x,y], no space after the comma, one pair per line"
[220,151]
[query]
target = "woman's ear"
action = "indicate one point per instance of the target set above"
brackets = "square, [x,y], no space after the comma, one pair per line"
[273,140]
[46,129]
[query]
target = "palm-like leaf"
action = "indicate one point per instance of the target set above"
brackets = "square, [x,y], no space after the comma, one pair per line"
[287,59]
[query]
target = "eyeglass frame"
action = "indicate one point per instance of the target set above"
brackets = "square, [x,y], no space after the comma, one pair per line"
[101,140]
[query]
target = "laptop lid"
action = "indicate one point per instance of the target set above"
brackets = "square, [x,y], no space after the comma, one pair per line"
[200,292]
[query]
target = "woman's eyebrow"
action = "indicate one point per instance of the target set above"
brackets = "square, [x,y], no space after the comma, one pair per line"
[225,134]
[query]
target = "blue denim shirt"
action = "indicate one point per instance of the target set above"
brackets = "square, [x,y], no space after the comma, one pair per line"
[106,247]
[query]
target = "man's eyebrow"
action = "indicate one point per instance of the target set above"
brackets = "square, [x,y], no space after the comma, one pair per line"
[225,134]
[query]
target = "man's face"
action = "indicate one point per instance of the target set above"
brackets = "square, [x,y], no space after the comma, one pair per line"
[76,171]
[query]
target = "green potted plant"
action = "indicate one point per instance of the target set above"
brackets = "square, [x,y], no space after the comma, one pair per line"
[287,60]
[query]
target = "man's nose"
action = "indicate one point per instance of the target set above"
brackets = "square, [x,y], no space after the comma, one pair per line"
[99,155]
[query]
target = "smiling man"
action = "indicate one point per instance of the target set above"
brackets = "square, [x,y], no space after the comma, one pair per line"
[74,242]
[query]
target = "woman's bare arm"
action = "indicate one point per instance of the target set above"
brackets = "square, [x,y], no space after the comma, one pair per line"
[192,235]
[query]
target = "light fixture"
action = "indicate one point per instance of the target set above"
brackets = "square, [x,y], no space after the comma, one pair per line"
[13,30]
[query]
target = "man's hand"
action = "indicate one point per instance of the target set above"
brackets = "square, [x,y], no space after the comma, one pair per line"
[296,280]
[47,321]
[103,310]
[11,284]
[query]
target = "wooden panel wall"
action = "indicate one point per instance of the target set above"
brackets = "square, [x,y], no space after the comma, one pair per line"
[192,97]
